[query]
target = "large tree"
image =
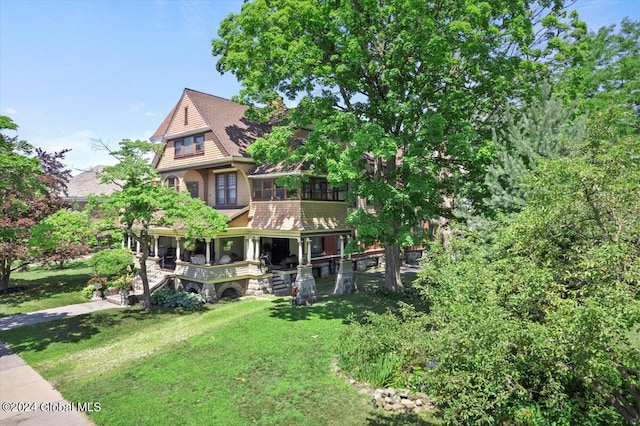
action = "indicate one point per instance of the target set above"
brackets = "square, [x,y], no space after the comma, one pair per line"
[397,94]
[63,236]
[601,68]
[33,182]
[143,202]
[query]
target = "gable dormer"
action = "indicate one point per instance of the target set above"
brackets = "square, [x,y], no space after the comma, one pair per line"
[203,128]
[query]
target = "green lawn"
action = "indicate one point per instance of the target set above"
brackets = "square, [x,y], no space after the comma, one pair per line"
[249,362]
[45,288]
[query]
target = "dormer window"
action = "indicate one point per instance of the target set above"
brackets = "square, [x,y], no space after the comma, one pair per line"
[191,145]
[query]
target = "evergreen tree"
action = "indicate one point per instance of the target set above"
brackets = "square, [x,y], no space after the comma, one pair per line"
[540,130]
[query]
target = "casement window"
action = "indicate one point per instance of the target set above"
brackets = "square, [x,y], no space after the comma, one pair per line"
[319,189]
[193,188]
[173,183]
[268,190]
[226,189]
[191,145]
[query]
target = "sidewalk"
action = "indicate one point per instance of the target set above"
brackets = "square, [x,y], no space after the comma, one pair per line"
[25,397]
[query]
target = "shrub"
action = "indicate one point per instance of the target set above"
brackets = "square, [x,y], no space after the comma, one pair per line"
[87,292]
[385,349]
[176,299]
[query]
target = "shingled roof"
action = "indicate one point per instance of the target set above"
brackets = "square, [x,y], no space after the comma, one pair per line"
[224,117]
[88,183]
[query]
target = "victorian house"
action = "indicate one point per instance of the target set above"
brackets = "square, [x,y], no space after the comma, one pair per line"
[300,233]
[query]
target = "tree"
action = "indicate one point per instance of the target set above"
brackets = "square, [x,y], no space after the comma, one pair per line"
[397,95]
[542,327]
[542,129]
[65,235]
[30,189]
[143,203]
[601,68]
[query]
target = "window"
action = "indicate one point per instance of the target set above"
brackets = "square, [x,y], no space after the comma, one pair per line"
[191,145]
[192,187]
[226,189]
[267,190]
[317,245]
[319,189]
[173,183]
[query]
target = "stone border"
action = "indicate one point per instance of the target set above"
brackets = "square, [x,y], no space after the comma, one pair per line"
[390,399]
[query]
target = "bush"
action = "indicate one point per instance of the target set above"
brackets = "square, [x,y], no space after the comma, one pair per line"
[168,298]
[112,263]
[87,292]
[385,349]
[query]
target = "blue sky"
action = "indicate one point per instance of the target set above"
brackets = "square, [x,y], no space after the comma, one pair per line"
[72,71]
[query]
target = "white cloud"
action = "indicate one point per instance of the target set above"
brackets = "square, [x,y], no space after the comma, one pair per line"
[10,111]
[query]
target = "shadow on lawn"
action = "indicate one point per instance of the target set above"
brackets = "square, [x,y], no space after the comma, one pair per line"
[327,308]
[57,329]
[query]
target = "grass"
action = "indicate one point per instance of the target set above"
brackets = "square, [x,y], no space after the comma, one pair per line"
[249,362]
[45,288]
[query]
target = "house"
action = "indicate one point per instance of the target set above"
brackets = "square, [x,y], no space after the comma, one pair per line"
[85,184]
[303,232]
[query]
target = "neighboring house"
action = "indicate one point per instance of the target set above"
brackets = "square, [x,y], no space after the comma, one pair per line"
[304,232]
[87,183]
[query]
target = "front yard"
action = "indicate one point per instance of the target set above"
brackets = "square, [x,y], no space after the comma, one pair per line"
[45,288]
[246,362]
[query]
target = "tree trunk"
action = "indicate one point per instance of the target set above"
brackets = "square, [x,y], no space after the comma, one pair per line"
[5,272]
[392,267]
[146,293]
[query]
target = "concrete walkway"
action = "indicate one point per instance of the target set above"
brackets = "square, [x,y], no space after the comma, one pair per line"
[26,398]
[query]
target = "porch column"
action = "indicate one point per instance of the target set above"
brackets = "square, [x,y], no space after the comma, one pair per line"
[301,259]
[155,245]
[308,241]
[128,240]
[252,249]
[208,250]
[341,238]
[256,248]
[123,241]
[348,241]
[138,246]
[248,247]
[216,246]
[178,249]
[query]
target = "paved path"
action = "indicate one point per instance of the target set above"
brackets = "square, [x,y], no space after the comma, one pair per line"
[26,398]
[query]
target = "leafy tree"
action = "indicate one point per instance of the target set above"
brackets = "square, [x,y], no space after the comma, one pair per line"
[30,190]
[602,68]
[142,203]
[397,95]
[63,236]
[542,327]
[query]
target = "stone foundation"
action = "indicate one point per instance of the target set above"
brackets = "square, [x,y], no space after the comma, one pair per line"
[345,280]
[306,285]
[258,286]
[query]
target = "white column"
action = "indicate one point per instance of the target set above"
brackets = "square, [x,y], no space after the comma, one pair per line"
[341,238]
[128,241]
[208,251]
[178,249]
[251,253]
[348,241]
[137,246]
[300,258]
[308,241]
[155,245]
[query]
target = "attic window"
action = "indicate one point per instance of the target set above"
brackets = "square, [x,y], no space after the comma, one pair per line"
[191,145]
[186,114]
